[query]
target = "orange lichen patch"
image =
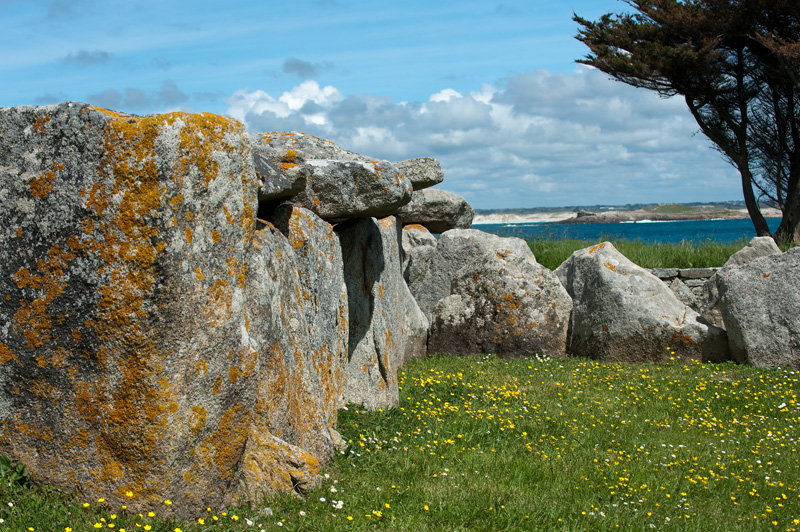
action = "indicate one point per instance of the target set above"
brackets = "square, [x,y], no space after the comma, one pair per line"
[189,216]
[225,446]
[39,124]
[766,275]
[290,157]
[217,388]
[76,335]
[388,222]
[418,227]
[188,233]
[6,355]
[678,336]
[299,223]
[610,266]
[199,274]
[219,301]
[201,367]
[198,419]
[376,168]
[42,185]
[597,247]
[228,216]
[32,317]
[176,200]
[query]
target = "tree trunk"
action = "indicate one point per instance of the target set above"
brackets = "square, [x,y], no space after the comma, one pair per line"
[759,223]
[789,230]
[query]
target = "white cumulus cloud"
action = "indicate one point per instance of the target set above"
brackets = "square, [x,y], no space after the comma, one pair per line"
[533,139]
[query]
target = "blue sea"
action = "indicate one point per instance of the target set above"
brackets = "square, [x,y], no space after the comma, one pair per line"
[723,231]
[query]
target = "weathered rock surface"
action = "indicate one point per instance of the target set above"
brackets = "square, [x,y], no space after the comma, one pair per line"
[760,304]
[386,326]
[297,317]
[437,210]
[487,294]
[125,359]
[623,312]
[278,173]
[340,184]
[418,247]
[759,246]
[423,172]
[708,302]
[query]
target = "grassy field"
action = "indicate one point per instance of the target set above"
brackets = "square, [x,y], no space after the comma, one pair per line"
[551,253]
[529,444]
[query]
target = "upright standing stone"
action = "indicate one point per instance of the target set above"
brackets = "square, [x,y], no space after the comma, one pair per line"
[125,359]
[386,326]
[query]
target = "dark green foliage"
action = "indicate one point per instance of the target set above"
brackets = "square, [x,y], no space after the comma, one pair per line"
[737,65]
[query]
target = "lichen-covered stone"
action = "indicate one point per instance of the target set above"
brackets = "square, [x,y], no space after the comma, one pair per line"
[386,326]
[760,305]
[423,172]
[487,294]
[297,309]
[278,173]
[126,361]
[418,247]
[437,210]
[340,184]
[624,312]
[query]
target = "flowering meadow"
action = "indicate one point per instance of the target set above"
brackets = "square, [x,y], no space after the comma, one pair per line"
[481,443]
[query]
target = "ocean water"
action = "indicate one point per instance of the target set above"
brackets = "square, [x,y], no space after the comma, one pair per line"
[723,231]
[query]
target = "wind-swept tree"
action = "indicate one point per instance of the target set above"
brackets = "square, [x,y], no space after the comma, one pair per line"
[737,65]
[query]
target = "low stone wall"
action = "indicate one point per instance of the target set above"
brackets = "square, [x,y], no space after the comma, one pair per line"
[691,278]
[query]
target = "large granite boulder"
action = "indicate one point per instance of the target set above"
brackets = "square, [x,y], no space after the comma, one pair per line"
[418,247]
[386,326]
[423,172]
[297,316]
[708,302]
[624,312]
[437,210]
[486,294]
[340,184]
[152,340]
[126,360]
[760,304]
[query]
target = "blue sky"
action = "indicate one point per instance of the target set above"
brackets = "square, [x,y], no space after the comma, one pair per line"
[490,89]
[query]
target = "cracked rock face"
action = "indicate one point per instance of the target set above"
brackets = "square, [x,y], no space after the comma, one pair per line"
[624,312]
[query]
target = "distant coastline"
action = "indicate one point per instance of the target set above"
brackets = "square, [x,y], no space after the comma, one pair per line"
[655,213]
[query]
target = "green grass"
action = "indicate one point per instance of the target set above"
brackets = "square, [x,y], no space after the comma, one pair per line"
[673,208]
[532,444]
[551,252]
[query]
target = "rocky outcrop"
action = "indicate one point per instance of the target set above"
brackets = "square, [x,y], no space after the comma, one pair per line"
[623,312]
[759,302]
[418,247]
[487,294]
[340,184]
[437,210]
[386,326]
[423,172]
